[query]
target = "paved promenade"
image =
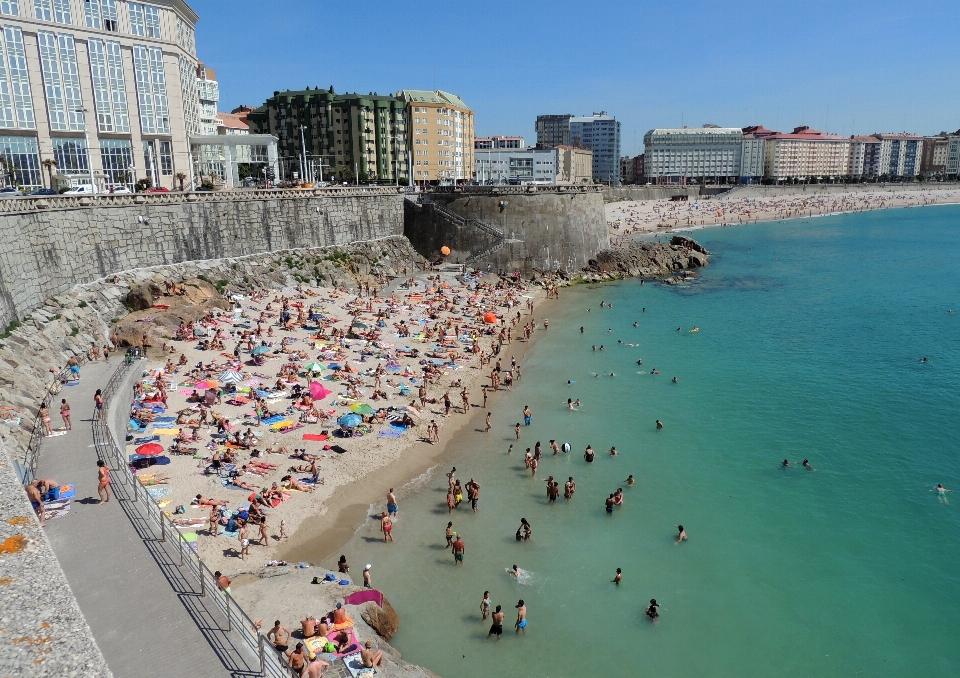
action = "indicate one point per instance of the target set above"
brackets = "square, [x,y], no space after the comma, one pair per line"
[144,608]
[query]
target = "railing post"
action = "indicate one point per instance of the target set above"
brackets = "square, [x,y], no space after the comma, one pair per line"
[163,529]
[180,543]
[229,625]
[263,663]
[203,584]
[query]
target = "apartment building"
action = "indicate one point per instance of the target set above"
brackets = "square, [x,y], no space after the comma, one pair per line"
[600,133]
[806,152]
[107,89]
[440,137]
[208,92]
[953,156]
[516,166]
[574,165]
[323,135]
[499,142]
[753,153]
[553,130]
[702,153]
[864,156]
[934,159]
[900,154]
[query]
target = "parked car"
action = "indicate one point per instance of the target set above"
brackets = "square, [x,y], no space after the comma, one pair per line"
[158,189]
[43,191]
[118,189]
[82,189]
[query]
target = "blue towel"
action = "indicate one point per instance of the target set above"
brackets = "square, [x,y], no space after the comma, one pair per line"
[164,420]
[274,419]
[148,439]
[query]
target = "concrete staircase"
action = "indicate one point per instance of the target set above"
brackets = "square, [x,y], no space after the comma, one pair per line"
[458,221]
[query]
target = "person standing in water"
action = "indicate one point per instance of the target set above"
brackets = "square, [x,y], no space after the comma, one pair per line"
[527,415]
[653,610]
[619,578]
[682,534]
[496,628]
[392,504]
[521,616]
[485,606]
[588,455]
[458,550]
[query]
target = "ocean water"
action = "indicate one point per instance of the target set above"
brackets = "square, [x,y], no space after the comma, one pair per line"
[810,337]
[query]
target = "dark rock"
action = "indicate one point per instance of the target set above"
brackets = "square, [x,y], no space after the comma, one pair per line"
[384,620]
[649,259]
[143,296]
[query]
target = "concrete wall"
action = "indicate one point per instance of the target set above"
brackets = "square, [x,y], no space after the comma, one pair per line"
[47,246]
[546,228]
[616,193]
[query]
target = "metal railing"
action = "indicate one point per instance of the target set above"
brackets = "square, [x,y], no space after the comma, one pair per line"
[31,455]
[517,190]
[60,202]
[268,662]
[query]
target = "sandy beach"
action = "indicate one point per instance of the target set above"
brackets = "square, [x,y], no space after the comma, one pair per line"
[369,353]
[626,219]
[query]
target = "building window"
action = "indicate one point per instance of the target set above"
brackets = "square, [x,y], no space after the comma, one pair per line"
[106,71]
[116,156]
[71,156]
[101,14]
[21,158]
[58,60]
[137,24]
[188,95]
[16,106]
[10,7]
[42,10]
[61,12]
[151,90]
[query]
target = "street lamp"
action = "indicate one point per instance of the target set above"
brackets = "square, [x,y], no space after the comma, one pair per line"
[86,141]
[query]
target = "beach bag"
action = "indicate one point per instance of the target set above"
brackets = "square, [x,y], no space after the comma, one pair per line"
[329,647]
[180,509]
[53,494]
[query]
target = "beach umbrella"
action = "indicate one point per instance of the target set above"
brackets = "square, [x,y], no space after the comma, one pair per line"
[205,385]
[231,377]
[360,325]
[361,408]
[150,450]
[260,350]
[318,392]
[490,318]
[313,367]
[350,420]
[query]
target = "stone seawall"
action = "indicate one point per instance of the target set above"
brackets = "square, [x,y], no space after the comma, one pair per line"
[48,246]
[530,229]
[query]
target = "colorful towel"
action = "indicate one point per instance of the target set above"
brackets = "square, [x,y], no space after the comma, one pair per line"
[166,431]
[316,437]
[390,433]
[274,419]
[159,492]
[56,508]
[288,429]
[190,543]
[146,439]
[365,596]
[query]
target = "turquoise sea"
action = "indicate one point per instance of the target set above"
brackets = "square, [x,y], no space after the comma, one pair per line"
[810,337]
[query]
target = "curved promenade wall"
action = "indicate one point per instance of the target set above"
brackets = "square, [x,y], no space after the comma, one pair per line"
[49,245]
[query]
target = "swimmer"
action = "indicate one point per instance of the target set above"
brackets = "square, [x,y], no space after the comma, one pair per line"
[653,610]
[634,324]
[940,489]
[619,578]
[924,360]
[630,480]
[577,402]
[806,465]
[640,362]
[485,605]
[659,424]
[588,455]
[612,374]
[674,380]
[679,329]
[581,329]
[569,403]
[695,329]
[515,572]
[785,464]
[613,451]
[682,534]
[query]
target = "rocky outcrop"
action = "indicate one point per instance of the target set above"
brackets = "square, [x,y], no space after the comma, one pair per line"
[159,315]
[644,259]
[384,620]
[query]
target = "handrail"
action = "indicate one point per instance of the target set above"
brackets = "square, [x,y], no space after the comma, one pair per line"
[31,455]
[271,666]
[31,204]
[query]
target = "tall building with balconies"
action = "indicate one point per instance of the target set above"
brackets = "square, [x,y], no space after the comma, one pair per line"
[900,154]
[106,89]
[600,133]
[806,152]
[553,130]
[208,94]
[322,134]
[441,137]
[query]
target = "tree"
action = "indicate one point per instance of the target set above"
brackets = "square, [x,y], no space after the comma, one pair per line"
[121,177]
[49,163]
[181,177]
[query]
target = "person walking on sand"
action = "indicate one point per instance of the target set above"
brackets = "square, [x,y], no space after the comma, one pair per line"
[65,414]
[487,429]
[386,526]
[103,481]
[98,404]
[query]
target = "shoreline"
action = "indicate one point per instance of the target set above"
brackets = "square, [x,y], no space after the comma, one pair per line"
[342,520]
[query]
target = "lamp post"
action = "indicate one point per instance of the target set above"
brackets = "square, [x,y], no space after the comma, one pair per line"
[303,155]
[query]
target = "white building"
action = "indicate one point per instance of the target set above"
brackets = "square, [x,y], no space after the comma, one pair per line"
[601,134]
[900,154]
[516,166]
[864,156]
[709,152]
[208,93]
[104,88]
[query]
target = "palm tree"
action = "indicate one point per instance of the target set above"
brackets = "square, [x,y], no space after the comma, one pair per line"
[50,163]
[181,177]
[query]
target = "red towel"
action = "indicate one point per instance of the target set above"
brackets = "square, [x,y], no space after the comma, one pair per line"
[361,597]
[316,437]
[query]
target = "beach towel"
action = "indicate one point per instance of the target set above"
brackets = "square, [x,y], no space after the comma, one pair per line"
[56,508]
[354,664]
[164,420]
[274,419]
[159,492]
[190,543]
[288,429]
[145,440]
[233,535]
[390,433]
[275,425]
[166,431]
[365,596]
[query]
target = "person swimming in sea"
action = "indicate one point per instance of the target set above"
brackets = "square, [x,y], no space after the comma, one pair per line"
[940,489]
[630,480]
[588,455]
[785,464]
[674,380]
[653,610]
[681,533]
[806,465]
[659,424]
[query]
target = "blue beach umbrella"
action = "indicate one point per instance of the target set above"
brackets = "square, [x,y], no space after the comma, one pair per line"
[260,350]
[350,420]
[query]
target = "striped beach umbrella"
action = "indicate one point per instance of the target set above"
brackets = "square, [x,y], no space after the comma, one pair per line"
[231,377]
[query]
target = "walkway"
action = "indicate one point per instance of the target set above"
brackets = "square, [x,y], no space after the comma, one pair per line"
[145,612]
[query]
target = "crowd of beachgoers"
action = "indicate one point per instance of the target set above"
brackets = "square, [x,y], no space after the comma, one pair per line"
[629,218]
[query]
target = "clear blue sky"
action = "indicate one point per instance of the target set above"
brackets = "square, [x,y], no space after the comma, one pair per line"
[842,66]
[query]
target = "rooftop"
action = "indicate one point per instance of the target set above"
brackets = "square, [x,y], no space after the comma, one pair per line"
[804,133]
[696,130]
[234,121]
[432,97]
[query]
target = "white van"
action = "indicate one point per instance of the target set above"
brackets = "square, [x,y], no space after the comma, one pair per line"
[82,189]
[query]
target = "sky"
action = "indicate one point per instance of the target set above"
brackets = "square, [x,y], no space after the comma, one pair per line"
[842,66]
